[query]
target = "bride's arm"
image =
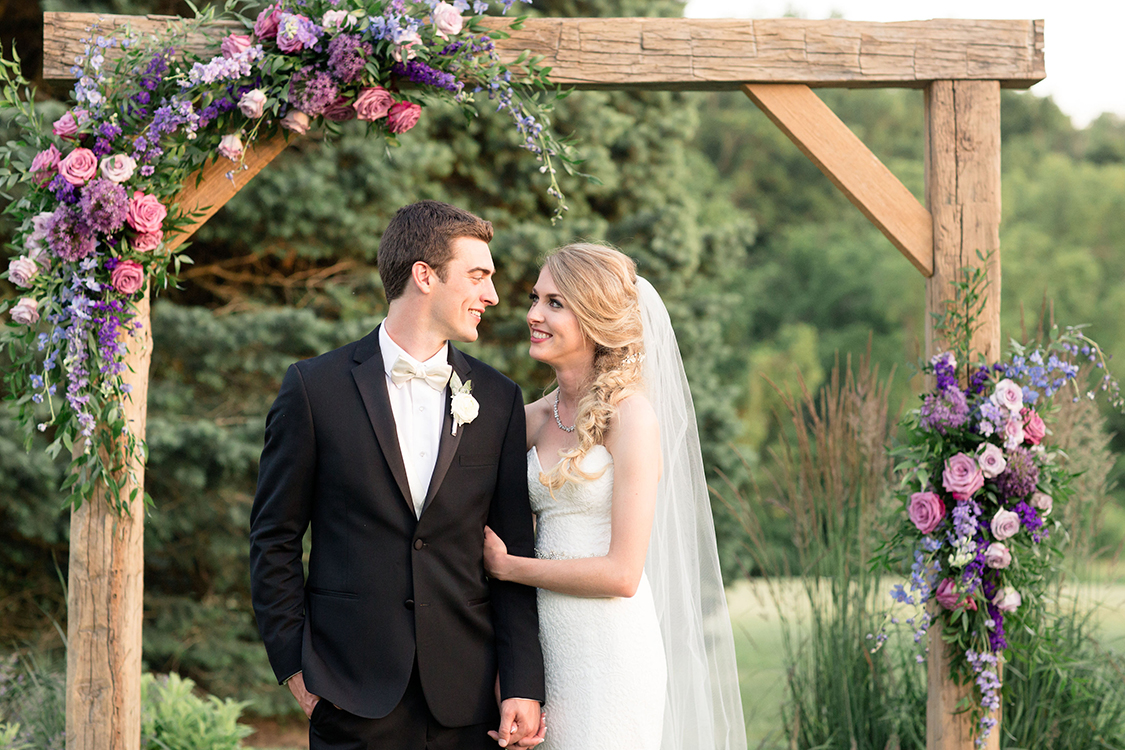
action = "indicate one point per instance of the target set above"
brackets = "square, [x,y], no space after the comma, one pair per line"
[634,442]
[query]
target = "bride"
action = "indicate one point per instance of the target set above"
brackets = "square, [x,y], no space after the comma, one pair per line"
[636,637]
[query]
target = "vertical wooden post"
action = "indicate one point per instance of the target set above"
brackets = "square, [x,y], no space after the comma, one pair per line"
[963,196]
[106,589]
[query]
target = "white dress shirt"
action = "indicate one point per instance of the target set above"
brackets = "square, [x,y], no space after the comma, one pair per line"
[419,413]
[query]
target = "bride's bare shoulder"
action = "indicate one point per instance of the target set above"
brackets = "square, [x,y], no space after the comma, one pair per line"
[634,417]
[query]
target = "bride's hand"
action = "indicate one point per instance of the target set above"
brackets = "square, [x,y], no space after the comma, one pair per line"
[495,555]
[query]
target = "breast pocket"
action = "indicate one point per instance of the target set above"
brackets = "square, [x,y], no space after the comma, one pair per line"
[470,462]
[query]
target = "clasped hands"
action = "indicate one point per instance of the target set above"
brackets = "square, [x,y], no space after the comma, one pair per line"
[522,723]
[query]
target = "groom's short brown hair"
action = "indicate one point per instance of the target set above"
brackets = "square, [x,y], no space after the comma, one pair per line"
[424,231]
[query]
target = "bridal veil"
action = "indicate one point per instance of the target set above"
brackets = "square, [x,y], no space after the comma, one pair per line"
[703,710]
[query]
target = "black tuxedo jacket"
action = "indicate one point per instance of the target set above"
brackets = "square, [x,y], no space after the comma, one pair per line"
[383,586]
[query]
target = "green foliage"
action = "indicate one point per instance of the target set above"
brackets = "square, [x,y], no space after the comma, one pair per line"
[33,701]
[175,718]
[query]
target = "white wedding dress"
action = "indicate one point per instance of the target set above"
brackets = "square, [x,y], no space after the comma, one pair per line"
[604,657]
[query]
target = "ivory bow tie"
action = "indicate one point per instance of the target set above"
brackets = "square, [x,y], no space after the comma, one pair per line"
[436,375]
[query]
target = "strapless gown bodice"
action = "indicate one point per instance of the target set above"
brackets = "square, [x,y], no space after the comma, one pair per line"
[604,656]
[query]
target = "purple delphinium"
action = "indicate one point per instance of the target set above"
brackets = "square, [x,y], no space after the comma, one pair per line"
[105,205]
[347,54]
[1031,520]
[978,380]
[63,190]
[1020,476]
[312,91]
[419,72]
[68,235]
[996,637]
[971,575]
[945,409]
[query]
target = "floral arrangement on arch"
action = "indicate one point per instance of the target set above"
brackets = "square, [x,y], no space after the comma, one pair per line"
[95,195]
[980,484]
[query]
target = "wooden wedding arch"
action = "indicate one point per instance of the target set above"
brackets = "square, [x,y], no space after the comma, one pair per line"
[961,65]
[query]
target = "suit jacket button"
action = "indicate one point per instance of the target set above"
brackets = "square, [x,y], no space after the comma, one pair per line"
[419,544]
[409,604]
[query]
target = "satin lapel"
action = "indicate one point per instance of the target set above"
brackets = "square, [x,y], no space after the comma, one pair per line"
[447,447]
[371,379]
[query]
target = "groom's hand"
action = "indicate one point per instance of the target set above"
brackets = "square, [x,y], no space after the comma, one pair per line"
[519,724]
[307,700]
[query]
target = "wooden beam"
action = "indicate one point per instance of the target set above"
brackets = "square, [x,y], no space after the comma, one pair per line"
[705,54]
[210,188]
[963,195]
[105,589]
[851,166]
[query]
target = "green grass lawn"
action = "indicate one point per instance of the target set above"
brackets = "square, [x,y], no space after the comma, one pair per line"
[758,643]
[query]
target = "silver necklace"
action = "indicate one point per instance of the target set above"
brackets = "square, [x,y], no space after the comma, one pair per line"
[558,421]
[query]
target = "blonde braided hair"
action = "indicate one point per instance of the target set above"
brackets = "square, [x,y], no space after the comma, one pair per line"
[599,284]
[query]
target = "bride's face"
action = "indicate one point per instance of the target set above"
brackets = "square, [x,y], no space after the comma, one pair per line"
[556,337]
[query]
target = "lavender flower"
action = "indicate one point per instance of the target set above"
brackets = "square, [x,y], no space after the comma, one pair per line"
[419,72]
[312,91]
[944,410]
[1020,476]
[105,205]
[347,55]
[1031,520]
[68,234]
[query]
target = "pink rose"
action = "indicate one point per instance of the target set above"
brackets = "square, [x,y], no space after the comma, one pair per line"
[991,460]
[1013,432]
[1009,395]
[962,477]
[1042,502]
[339,110]
[128,277]
[79,166]
[146,242]
[252,104]
[403,116]
[22,270]
[231,147]
[26,312]
[946,595]
[66,126]
[926,511]
[447,20]
[146,212]
[1007,599]
[998,556]
[118,168]
[373,103]
[1005,524]
[45,163]
[297,121]
[1033,428]
[234,45]
[335,20]
[266,25]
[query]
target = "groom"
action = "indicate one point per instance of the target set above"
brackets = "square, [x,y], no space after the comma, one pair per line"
[396,639]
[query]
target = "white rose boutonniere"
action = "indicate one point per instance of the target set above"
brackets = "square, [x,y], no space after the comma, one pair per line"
[463,406]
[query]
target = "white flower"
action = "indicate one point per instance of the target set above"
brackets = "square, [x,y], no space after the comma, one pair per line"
[991,460]
[463,406]
[1043,502]
[118,168]
[335,20]
[1007,599]
[963,552]
[1009,395]
[231,147]
[447,20]
[997,556]
[297,121]
[1005,524]
[252,104]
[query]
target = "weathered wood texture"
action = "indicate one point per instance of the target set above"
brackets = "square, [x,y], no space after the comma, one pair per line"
[210,188]
[711,54]
[951,732]
[105,593]
[963,195]
[851,166]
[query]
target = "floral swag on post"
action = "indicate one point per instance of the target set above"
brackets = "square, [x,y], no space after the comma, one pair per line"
[979,484]
[94,200]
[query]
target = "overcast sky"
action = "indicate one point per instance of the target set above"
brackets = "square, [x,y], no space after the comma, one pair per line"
[1084,50]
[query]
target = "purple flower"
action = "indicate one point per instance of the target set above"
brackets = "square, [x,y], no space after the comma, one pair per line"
[1030,519]
[945,409]
[68,235]
[296,32]
[104,204]
[347,54]
[419,72]
[1020,476]
[312,91]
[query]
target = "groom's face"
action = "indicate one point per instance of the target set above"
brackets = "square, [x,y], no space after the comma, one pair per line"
[459,302]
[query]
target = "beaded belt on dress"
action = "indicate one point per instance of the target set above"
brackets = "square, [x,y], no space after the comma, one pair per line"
[550,554]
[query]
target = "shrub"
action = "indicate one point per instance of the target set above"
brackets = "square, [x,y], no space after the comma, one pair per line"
[175,718]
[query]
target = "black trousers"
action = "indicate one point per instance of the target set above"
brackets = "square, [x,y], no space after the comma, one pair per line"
[410,726]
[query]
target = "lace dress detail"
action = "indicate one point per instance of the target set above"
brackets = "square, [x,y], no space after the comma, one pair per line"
[604,657]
